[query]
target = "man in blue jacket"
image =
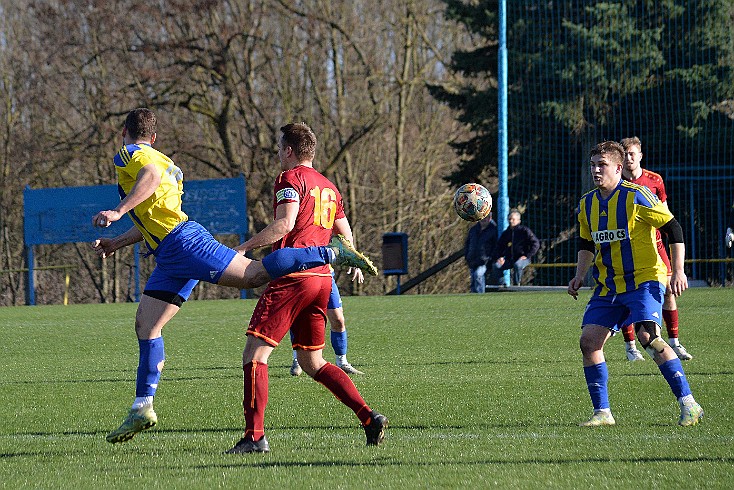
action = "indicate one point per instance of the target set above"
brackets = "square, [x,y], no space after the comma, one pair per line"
[515,247]
[480,243]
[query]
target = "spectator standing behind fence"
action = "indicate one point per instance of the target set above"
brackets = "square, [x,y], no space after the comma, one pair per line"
[480,243]
[515,247]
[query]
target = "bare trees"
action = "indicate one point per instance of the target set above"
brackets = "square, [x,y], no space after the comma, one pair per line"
[223,77]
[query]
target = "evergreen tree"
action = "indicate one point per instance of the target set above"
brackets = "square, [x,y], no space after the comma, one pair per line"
[475,98]
[584,71]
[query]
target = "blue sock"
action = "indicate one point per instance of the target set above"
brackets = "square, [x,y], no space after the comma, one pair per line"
[286,260]
[596,380]
[673,373]
[339,343]
[149,366]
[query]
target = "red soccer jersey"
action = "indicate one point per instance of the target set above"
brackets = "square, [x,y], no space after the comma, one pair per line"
[319,205]
[654,182]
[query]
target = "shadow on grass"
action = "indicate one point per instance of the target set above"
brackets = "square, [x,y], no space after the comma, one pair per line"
[256,462]
[348,427]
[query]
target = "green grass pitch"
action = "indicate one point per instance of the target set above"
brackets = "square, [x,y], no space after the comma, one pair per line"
[481,391]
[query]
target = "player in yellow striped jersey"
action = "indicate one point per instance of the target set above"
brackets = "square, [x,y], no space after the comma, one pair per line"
[617,223]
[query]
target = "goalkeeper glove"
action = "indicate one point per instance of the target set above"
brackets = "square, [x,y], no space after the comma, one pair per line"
[729,237]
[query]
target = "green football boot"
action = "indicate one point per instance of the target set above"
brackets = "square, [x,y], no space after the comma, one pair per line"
[690,414]
[599,419]
[137,420]
[348,256]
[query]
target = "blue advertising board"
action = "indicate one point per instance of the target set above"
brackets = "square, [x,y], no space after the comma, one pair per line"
[64,215]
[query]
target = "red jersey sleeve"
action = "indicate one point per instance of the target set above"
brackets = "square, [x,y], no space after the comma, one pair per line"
[654,182]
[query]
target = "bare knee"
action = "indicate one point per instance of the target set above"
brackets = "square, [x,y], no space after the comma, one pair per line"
[145,328]
[255,275]
[587,345]
[256,349]
[244,273]
[310,361]
[669,300]
[590,344]
[336,320]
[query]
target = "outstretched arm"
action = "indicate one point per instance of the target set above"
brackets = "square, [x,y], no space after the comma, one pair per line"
[285,220]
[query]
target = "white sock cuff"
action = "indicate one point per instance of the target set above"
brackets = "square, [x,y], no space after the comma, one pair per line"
[141,401]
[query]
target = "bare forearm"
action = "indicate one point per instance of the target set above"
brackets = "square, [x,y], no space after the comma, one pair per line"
[106,247]
[342,227]
[677,256]
[678,280]
[267,236]
[584,261]
[128,238]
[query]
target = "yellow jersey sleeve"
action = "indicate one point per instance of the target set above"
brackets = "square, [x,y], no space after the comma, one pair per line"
[656,215]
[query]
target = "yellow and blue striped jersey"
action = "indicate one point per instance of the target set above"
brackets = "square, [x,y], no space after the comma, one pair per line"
[622,228]
[160,213]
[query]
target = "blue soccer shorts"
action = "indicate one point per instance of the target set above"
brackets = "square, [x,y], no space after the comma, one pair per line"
[187,255]
[615,311]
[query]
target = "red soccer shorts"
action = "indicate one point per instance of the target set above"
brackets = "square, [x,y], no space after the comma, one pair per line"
[296,302]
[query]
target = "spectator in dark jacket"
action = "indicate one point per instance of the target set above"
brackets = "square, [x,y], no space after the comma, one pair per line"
[480,243]
[515,247]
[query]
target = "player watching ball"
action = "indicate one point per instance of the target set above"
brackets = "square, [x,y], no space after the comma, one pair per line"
[633,172]
[307,208]
[617,223]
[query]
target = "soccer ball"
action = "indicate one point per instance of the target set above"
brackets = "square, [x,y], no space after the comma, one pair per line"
[472,202]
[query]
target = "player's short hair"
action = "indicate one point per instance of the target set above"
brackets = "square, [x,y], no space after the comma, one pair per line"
[141,123]
[515,211]
[301,138]
[611,148]
[632,141]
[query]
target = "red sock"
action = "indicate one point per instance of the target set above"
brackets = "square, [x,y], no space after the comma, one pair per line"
[671,323]
[344,390]
[255,399]
[629,333]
